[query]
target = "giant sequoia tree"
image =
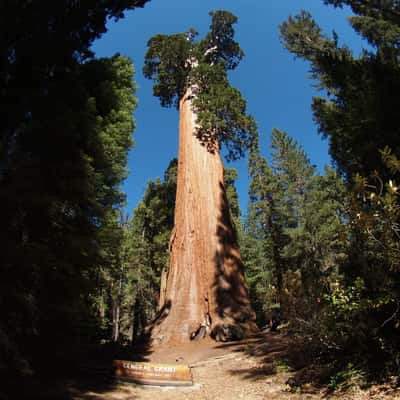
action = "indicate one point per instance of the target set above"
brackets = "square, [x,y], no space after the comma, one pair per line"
[206,292]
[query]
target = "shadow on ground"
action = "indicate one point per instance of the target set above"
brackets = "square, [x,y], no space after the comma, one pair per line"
[274,354]
[269,348]
[88,378]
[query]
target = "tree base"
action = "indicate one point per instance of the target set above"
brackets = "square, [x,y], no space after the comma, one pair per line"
[161,332]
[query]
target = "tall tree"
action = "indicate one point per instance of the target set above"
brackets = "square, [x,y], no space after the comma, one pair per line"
[133,283]
[265,236]
[135,287]
[155,218]
[65,182]
[358,114]
[265,226]
[53,39]
[293,173]
[59,131]
[294,227]
[206,293]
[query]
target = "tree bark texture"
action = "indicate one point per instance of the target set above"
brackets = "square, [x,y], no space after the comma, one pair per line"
[206,293]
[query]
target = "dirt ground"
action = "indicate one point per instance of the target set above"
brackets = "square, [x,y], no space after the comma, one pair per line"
[250,370]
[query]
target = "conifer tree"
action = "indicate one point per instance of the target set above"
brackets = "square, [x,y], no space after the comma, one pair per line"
[70,170]
[295,229]
[137,257]
[264,236]
[206,293]
[358,114]
[293,173]
[59,130]
[359,117]
[132,283]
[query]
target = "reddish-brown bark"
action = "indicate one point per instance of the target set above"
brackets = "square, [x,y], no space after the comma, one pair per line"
[205,283]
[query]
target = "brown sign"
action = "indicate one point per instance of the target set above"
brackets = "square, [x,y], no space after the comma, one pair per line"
[154,374]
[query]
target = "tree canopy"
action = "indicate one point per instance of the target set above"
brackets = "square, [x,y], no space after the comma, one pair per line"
[359,115]
[178,62]
[64,136]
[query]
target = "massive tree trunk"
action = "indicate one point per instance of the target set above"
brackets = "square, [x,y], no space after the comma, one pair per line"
[206,292]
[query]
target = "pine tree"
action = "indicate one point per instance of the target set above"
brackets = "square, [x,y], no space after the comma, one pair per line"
[149,234]
[358,115]
[264,237]
[293,172]
[65,181]
[295,230]
[359,118]
[52,155]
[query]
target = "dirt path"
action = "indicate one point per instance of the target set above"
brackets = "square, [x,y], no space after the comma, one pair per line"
[253,369]
[245,370]
[250,370]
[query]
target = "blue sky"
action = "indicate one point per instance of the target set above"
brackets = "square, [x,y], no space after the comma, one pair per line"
[275,85]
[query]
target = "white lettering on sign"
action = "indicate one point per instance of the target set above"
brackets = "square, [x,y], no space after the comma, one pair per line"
[139,367]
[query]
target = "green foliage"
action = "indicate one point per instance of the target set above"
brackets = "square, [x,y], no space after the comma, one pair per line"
[64,139]
[295,231]
[158,217]
[150,232]
[388,10]
[349,377]
[357,116]
[109,82]
[374,217]
[177,63]
[221,113]
[167,64]
[135,255]
[358,317]
[220,38]
[261,253]
[53,38]
[230,176]
[57,190]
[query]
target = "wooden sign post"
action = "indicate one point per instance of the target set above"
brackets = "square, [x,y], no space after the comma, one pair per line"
[153,374]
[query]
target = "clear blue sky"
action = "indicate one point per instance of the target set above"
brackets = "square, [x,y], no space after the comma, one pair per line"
[276,86]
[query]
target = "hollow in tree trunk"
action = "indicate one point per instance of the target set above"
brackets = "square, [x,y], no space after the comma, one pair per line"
[206,293]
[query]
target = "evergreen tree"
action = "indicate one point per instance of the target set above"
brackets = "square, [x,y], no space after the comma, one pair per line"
[59,132]
[358,115]
[192,75]
[264,238]
[359,118]
[295,230]
[133,285]
[177,62]
[312,209]
[64,182]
